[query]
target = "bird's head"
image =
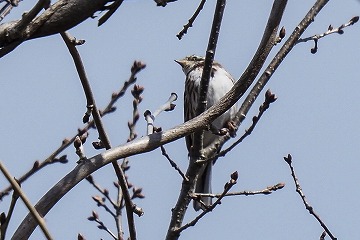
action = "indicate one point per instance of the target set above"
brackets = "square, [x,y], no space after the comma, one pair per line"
[190,62]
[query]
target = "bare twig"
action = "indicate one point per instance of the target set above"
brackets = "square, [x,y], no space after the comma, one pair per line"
[330,30]
[79,147]
[167,106]
[191,20]
[288,160]
[173,164]
[104,191]
[101,203]
[5,222]
[136,92]
[266,191]
[102,226]
[227,187]
[22,195]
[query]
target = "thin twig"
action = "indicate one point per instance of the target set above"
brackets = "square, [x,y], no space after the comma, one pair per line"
[330,30]
[101,203]
[173,164]
[120,203]
[266,191]
[167,106]
[288,160]
[22,195]
[208,209]
[191,20]
[4,225]
[136,92]
[102,226]
[267,43]
[104,191]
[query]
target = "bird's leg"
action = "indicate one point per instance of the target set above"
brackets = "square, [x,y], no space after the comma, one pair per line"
[229,127]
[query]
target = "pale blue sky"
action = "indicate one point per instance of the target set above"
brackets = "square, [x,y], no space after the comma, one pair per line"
[316,119]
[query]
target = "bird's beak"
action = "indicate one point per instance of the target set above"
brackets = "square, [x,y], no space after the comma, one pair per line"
[181,62]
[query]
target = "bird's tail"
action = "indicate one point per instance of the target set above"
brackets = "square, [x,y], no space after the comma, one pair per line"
[203,185]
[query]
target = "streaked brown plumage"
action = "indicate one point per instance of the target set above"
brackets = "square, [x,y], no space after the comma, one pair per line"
[220,83]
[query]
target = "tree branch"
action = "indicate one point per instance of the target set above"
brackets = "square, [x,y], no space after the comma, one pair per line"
[38,219]
[102,133]
[61,16]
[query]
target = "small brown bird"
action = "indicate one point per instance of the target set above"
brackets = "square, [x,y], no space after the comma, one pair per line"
[220,83]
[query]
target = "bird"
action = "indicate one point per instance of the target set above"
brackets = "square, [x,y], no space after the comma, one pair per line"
[219,84]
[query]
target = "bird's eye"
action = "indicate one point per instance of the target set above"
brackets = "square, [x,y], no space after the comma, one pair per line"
[193,58]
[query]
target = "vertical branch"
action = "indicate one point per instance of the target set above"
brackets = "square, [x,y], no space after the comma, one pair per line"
[184,199]
[209,59]
[102,133]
